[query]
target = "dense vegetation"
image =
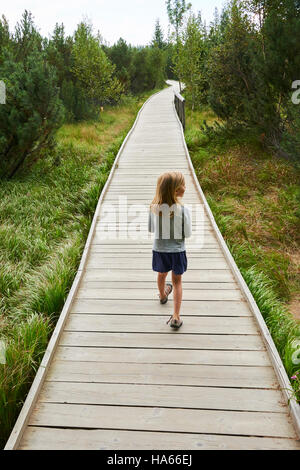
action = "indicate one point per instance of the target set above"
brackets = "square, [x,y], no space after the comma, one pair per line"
[70,102]
[245,68]
[65,79]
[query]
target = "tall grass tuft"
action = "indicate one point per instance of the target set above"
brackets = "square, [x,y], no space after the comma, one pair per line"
[25,345]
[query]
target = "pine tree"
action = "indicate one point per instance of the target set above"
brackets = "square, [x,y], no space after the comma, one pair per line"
[158,37]
[120,55]
[176,10]
[92,68]
[192,58]
[157,66]
[5,39]
[33,110]
[26,37]
[277,63]
[230,71]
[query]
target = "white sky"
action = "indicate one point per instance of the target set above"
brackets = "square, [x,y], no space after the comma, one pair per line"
[133,20]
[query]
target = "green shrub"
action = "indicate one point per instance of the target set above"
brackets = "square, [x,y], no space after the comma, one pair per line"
[32,113]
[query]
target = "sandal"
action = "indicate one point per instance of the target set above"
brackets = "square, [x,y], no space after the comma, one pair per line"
[175,323]
[165,300]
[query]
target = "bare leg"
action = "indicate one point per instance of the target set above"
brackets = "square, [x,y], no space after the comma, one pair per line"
[161,283]
[177,294]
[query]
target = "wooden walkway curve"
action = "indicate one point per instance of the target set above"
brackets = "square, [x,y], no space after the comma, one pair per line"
[115,376]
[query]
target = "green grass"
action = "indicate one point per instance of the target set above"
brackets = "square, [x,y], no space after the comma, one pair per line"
[254,197]
[45,216]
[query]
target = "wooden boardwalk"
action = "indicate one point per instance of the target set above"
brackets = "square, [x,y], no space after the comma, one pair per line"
[115,376]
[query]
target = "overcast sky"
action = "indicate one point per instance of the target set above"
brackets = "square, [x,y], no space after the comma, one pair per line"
[133,20]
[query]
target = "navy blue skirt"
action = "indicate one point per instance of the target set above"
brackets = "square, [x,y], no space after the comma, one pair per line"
[164,262]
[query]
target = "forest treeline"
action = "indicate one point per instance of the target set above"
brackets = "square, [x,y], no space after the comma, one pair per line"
[245,65]
[66,78]
[246,68]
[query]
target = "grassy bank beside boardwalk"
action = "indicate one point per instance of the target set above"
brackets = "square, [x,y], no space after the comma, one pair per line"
[254,198]
[45,216]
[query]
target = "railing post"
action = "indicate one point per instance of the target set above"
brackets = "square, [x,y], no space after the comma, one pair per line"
[179,102]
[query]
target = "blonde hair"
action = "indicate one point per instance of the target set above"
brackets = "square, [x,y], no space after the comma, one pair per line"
[167,185]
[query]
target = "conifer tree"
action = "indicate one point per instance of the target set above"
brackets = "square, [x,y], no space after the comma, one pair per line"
[33,110]
[92,68]
[176,10]
[192,58]
[158,37]
[120,55]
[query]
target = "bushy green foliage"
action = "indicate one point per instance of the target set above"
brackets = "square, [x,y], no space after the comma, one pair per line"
[158,37]
[191,59]
[243,66]
[139,68]
[121,55]
[176,10]
[86,76]
[92,68]
[33,110]
[65,77]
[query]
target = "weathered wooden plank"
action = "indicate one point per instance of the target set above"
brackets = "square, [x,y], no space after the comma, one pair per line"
[171,396]
[97,248]
[96,261]
[134,230]
[117,198]
[105,225]
[151,284]
[38,438]
[126,218]
[148,294]
[163,374]
[148,156]
[150,175]
[144,242]
[169,340]
[217,308]
[122,207]
[168,146]
[127,168]
[157,324]
[163,419]
[147,195]
[163,356]
[147,189]
[136,234]
[145,256]
[141,198]
[197,275]
[115,215]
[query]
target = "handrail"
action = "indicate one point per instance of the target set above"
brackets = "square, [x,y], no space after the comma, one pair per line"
[179,102]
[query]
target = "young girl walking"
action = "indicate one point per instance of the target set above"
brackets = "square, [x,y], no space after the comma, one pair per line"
[171,223]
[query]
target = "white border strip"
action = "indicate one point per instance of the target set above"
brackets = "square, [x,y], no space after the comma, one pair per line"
[20,425]
[284,381]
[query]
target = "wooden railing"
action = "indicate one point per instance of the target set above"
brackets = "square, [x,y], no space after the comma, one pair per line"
[179,102]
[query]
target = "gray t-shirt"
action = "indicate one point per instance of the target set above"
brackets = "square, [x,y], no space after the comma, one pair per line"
[170,232]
